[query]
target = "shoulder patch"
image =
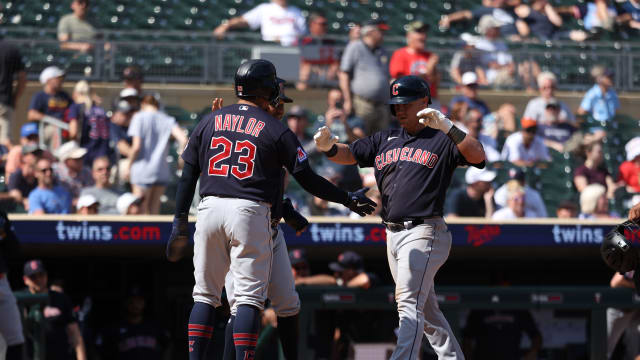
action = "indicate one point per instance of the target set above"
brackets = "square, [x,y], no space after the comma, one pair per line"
[302,156]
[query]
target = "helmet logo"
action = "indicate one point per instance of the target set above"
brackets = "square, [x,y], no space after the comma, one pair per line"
[394,89]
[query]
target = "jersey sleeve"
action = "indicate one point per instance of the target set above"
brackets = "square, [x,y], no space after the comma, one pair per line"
[254,16]
[459,159]
[348,58]
[364,150]
[291,154]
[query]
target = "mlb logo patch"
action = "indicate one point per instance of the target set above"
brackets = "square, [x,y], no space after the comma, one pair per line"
[244,107]
[302,156]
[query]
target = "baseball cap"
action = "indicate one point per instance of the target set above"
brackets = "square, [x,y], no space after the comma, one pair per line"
[28,129]
[86,201]
[469,78]
[123,106]
[487,22]
[347,260]
[374,24]
[70,150]
[516,174]
[297,256]
[473,175]
[132,73]
[50,73]
[632,148]
[528,122]
[124,201]
[33,267]
[417,26]
[128,92]
[297,111]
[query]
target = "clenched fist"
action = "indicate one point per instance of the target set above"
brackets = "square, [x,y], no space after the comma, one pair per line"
[434,119]
[324,139]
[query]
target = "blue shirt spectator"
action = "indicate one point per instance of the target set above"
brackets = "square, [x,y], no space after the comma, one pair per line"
[469,90]
[52,100]
[600,103]
[48,198]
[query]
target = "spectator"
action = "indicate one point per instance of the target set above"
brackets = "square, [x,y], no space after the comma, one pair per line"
[509,24]
[594,203]
[468,59]
[23,180]
[51,102]
[298,122]
[28,136]
[74,31]
[497,62]
[87,205]
[364,78]
[567,210]
[11,333]
[11,68]
[131,96]
[347,128]
[545,22]
[319,59]
[516,204]
[469,94]
[524,148]
[500,122]
[630,16]
[102,189]
[151,130]
[277,21]
[134,336]
[48,197]
[413,59]
[629,171]
[88,124]
[537,107]
[532,199]
[71,171]
[119,126]
[596,15]
[593,171]
[472,123]
[61,328]
[347,271]
[621,320]
[555,132]
[299,264]
[601,101]
[355,30]
[129,204]
[133,77]
[476,198]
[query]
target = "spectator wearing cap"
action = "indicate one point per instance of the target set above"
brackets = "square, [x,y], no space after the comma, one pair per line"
[23,180]
[87,205]
[131,96]
[556,133]
[567,210]
[11,68]
[516,204]
[102,189]
[476,198]
[75,32]
[129,204]
[601,101]
[51,101]
[277,21]
[347,271]
[28,136]
[118,127]
[319,56]
[509,24]
[498,63]
[71,171]
[532,199]
[62,329]
[593,171]
[364,78]
[629,171]
[472,125]
[48,197]
[537,107]
[151,130]
[413,59]
[469,94]
[524,148]
[467,59]
[88,123]
[299,264]
[133,77]
[594,203]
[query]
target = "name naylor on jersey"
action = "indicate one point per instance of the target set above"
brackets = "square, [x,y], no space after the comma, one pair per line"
[418,156]
[235,123]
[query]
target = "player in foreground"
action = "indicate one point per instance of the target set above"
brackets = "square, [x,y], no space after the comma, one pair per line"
[413,167]
[238,153]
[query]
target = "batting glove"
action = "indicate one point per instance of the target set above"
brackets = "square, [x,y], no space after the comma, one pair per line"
[179,238]
[324,139]
[435,119]
[359,203]
[293,218]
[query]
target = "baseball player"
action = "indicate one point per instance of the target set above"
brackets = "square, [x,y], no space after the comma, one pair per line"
[11,324]
[413,167]
[238,153]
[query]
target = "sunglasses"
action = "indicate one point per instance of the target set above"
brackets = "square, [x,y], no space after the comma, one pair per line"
[46,170]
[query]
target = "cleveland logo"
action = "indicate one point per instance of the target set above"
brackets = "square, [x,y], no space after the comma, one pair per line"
[419,156]
[302,156]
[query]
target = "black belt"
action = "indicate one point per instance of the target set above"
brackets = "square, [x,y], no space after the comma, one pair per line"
[406,225]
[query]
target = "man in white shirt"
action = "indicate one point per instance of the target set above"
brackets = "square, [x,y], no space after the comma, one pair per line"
[537,107]
[277,21]
[516,207]
[524,148]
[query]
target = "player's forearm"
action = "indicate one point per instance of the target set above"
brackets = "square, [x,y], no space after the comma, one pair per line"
[343,156]
[472,150]
[186,189]
[318,186]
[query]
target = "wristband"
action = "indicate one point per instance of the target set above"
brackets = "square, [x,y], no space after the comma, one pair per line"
[332,152]
[456,135]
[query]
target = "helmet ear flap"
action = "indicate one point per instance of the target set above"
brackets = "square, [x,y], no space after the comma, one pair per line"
[617,252]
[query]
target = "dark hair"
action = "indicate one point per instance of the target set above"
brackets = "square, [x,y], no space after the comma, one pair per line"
[150,100]
[315,16]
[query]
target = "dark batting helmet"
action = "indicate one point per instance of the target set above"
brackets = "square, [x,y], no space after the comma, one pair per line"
[257,78]
[408,89]
[617,251]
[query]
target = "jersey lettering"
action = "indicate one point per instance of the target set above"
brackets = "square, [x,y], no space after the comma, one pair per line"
[234,123]
[227,123]
[250,125]
[236,119]
[418,156]
[246,160]
[259,127]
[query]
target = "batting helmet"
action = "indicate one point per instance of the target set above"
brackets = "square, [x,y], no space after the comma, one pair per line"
[408,89]
[257,78]
[616,249]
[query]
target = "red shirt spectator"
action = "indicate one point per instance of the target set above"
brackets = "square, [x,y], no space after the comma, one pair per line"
[630,170]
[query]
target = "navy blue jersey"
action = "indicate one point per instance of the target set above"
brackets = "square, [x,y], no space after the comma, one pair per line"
[412,172]
[240,151]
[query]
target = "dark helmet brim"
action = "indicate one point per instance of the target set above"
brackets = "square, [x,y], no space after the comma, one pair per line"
[403,99]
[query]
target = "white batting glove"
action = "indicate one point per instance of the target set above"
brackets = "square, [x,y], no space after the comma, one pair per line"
[324,139]
[435,119]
